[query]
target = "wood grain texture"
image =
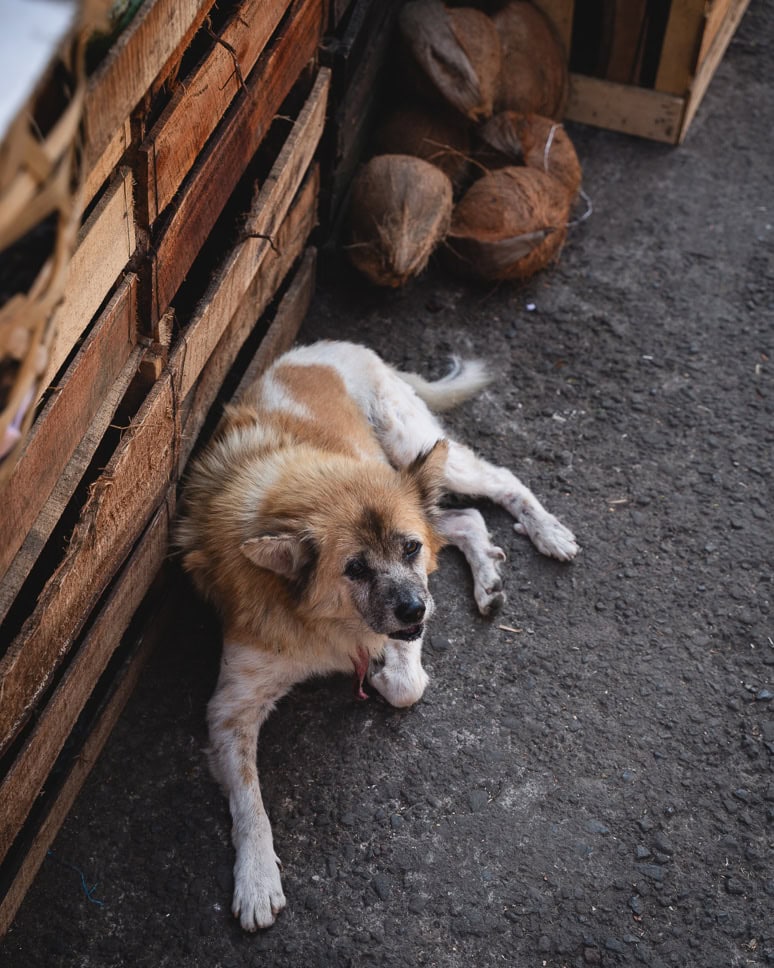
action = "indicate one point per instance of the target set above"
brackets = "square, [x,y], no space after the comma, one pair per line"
[106,243]
[66,417]
[199,102]
[215,175]
[619,107]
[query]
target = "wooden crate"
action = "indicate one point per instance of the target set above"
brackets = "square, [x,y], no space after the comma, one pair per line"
[144,350]
[696,35]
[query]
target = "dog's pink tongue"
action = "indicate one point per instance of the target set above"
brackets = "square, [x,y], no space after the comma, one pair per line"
[361,667]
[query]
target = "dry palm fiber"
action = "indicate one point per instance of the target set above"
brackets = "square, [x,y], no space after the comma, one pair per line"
[400,210]
[533,78]
[438,136]
[535,141]
[458,50]
[509,224]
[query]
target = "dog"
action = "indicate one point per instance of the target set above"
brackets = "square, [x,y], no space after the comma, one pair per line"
[312,523]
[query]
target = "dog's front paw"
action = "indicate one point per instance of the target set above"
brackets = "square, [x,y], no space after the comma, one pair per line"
[550,537]
[401,680]
[258,896]
[487,583]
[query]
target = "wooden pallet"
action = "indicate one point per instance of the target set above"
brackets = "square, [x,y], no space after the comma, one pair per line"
[89,506]
[695,40]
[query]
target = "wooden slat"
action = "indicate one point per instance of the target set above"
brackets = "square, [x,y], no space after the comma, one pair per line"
[66,417]
[107,162]
[290,242]
[712,58]
[24,781]
[133,63]
[87,755]
[680,47]
[220,167]
[119,503]
[106,243]
[177,138]
[618,107]
[227,289]
[717,13]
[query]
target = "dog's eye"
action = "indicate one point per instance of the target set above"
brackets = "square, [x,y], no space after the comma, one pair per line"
[356,568]
[411,548]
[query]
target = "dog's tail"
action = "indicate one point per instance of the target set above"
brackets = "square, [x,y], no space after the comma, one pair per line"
[465,380]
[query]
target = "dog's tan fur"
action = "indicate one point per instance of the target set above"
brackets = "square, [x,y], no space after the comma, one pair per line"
[312,523]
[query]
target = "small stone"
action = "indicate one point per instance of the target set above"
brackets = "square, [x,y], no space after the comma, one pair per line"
[652,871]
[544,943]
[382,885]
[636,904]
[592,956]
[396,821]
[734,886]
[662,844]
[642,852]
[613,944]
[742,794]
[478,799]
[438,643]
[764,695]
[597,827]
[645,824]
[417,904]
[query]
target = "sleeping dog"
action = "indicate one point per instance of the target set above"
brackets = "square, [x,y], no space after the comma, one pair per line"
[312,522]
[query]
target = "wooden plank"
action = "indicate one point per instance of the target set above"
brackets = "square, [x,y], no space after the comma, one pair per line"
[239,135]
[680,47]
[66,417]
[24,781]
[711,61]
[177,138]
[291,240]
[134,61]
[716,14]
[631,110]
[107,162]
[286,323]
[119,503]
[51,512]
[106,243]
[228,287]
[82,765]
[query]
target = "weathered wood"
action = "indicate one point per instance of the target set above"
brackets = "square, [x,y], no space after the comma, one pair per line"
[134,61]
[104,166]
[228,287]
[291,239]
[66,418]
[284,328]
[114,515]
[177,138]
[680,46]
[711,59]
[215,175]
[87,755]
[26,777]
[106,243]
[632,110]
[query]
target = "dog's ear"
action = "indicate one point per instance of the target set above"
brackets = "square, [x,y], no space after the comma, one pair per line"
[284,554]
[426,472]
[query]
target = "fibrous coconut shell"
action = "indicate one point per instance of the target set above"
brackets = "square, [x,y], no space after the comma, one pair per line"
[438,136]
[533,78]
[400,210]
[509,224]
[534,141]
[458,50]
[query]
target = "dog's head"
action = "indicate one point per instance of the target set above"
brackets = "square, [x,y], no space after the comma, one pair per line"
[355,541]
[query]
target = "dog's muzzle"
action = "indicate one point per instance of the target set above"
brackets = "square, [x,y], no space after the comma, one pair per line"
[409,634]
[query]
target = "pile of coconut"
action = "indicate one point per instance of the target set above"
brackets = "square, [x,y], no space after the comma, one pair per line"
[472,155]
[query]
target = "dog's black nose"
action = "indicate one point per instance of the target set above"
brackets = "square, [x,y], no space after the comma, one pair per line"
[410,610]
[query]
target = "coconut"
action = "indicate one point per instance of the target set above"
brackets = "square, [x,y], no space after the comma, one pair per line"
[509,224]
[440,137]
[458,50]
[534,141]
[533,79]
[400,210]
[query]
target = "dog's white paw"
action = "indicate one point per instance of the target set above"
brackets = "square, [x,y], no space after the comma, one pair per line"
[550,537]
[401,680]
[487,583]
[258,896]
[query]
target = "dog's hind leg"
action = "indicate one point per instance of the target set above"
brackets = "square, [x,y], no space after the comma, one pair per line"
[249,685]
[466,530]
[466,473]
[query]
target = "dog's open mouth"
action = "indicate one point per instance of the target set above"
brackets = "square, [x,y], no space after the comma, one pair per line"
[409,634]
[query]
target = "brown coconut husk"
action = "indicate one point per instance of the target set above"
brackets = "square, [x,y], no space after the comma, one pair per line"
[509,224]
[400,210]
[438,136]
[533,78]
[458,50]
[534,141]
